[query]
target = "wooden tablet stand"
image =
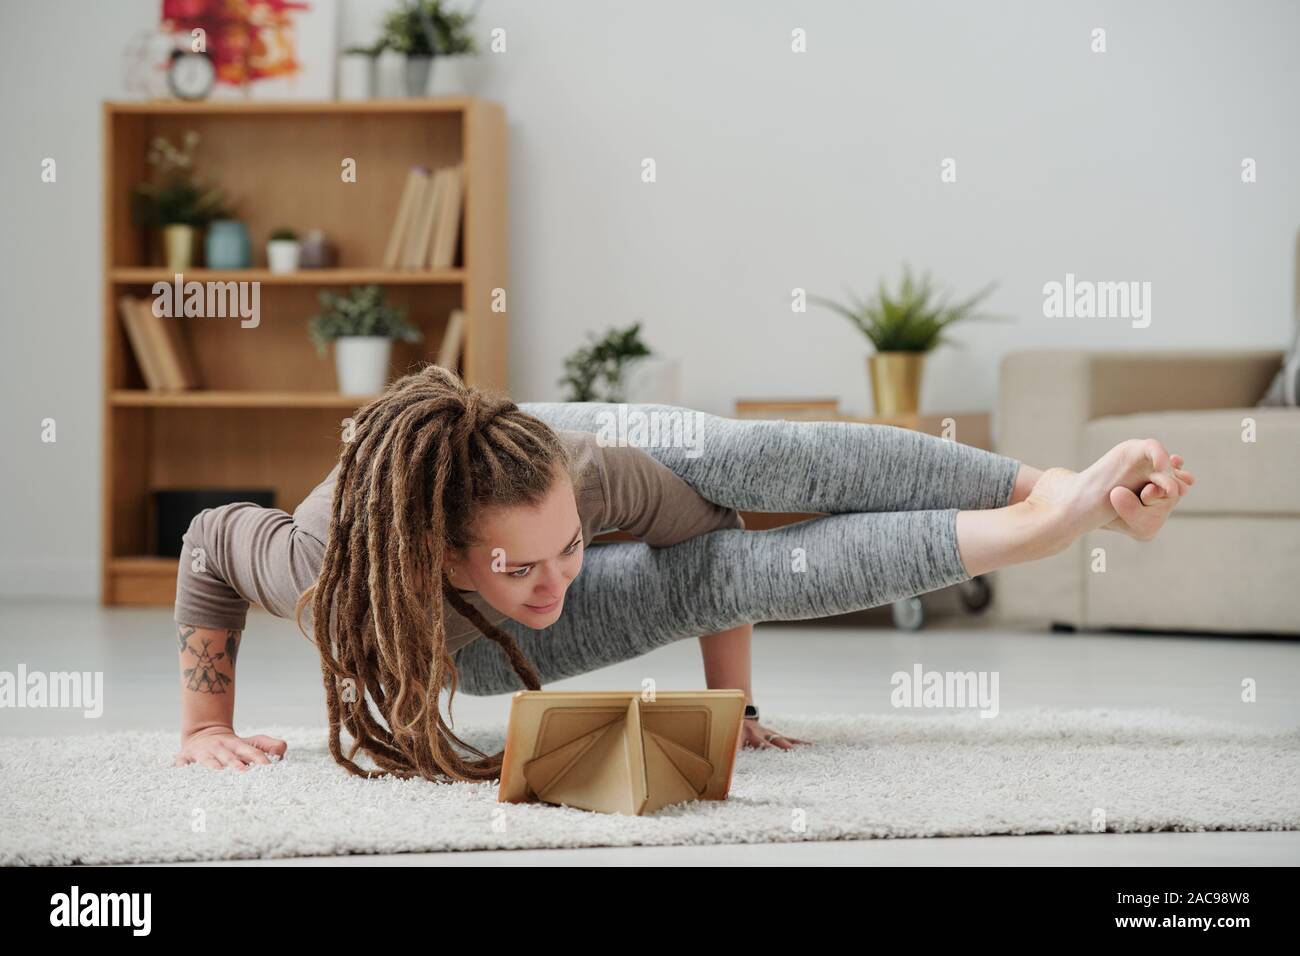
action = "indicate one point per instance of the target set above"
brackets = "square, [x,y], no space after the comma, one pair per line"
[631,756]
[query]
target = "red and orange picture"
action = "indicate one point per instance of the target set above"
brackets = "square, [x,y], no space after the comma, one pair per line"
[261,48]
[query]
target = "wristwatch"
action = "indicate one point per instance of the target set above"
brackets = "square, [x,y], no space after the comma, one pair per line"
[751,712]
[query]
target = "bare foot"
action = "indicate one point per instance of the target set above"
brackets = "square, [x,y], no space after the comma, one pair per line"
[1131,489]
[1114,491]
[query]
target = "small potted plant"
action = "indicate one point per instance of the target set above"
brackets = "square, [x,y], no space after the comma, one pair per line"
[425,30]
[282,251]
[597,371]
[362,327]
[178,201]
[903,328]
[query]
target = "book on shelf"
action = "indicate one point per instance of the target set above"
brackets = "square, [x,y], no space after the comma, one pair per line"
[426,223]
[135,334]
[415,251]
[808,409]
[452,341]
[408,206]
[178,361]
[160,349]
[442,254]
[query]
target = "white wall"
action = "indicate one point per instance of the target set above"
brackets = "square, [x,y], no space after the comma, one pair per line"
[775,170]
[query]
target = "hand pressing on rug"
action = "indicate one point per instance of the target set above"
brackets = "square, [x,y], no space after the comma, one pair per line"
[762,738]
[220,747]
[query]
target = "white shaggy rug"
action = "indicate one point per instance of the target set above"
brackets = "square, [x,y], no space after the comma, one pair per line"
[115,798]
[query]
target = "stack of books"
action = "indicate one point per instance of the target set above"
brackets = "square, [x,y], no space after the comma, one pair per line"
[160,348]
[426,227]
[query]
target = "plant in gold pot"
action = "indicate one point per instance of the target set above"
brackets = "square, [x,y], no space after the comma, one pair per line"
[177,200]
[903,328]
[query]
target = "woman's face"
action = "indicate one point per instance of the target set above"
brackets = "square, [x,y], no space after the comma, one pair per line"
[526,557]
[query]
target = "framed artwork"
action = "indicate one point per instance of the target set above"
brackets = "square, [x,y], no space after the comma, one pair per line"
[259,49]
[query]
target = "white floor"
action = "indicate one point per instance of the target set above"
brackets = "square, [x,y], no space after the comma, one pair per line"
[836,665]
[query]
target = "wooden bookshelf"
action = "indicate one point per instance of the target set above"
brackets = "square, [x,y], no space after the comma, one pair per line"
[214,398]
[307,277]
[270,415]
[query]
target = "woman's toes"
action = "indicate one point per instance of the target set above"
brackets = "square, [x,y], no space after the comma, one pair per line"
[1166,482]
[1143,515]
[1184,477]
[1157,454]
[1129,509]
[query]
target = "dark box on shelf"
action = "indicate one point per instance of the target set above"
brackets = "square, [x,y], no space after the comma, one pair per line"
[174,509]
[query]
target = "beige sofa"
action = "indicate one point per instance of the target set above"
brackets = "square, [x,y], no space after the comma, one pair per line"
[1229,558]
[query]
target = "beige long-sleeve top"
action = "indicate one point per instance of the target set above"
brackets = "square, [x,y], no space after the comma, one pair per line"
[269,557]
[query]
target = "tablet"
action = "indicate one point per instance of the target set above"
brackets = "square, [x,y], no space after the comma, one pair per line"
[624,752]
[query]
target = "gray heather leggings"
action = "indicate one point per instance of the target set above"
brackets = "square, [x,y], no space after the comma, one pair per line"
[890,498]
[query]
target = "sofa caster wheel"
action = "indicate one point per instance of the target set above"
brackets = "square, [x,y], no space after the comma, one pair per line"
[975,594]
[909,614]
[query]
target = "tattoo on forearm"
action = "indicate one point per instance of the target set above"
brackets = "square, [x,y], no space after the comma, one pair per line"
[204,677]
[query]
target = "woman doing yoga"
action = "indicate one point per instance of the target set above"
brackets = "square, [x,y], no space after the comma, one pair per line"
[456,514]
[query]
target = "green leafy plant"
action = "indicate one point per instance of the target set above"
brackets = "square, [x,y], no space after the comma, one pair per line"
[911,321]
[361,312]
[372,51]
[594,373]
[177,196]
[426,28]
[284,235]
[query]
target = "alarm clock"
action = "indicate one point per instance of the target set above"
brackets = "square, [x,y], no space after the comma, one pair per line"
[191,75]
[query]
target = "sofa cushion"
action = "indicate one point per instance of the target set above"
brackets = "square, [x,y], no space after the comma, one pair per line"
[1201,573]
[1232,476]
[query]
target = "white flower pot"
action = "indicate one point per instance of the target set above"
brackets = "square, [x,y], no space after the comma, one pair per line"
[416,75]
[282,255]
[362,363]
[390,75]
[356,76]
